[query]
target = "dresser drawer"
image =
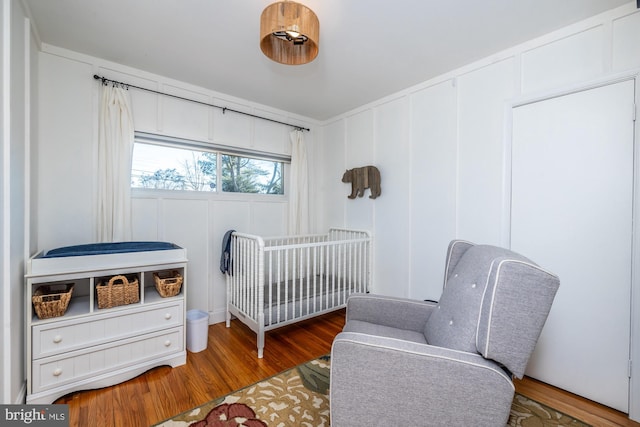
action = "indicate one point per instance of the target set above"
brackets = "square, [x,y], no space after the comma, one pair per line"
[66,368]
[57,337]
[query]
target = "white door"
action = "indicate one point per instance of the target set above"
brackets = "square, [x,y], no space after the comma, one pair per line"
[571,212]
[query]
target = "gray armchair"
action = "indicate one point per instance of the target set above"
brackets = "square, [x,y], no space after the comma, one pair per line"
[405,362]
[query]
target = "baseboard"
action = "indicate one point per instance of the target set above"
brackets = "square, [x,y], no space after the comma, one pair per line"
[217,316]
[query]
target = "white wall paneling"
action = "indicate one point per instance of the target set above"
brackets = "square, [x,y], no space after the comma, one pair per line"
[482,95]
[626,48]
[433,186]
[315,169]
[574,59]
[634,380]
[15,121]
[18,191]
[32,156]
[231,128]
[66,152]
[359,152]
[231,216]
[391,225]
[272,137]
[331,158]
[269,218]
[145,217]
[182,118]
[186,224]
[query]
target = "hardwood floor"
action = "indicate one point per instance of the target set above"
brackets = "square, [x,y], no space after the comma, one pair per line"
[230,362]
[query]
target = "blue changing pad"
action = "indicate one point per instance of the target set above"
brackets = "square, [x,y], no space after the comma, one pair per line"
[108,248]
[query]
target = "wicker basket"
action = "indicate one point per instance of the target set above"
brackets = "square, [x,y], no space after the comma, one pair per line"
[168,284]
[52,300]
[119,290]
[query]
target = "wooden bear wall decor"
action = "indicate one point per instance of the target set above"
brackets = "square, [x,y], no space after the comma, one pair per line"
[361,179]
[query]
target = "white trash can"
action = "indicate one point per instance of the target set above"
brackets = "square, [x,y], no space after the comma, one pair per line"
[197,330]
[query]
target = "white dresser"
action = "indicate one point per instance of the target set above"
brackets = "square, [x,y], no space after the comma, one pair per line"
[88,347]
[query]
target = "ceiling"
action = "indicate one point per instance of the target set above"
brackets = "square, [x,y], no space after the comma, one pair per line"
[368,48]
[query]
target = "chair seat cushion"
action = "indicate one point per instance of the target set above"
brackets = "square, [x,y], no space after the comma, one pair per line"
[361,327]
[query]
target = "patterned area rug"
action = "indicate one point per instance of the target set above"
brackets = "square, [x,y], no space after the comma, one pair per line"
[299,397]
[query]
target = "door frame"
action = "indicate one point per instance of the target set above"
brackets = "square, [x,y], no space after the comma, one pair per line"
[505,238]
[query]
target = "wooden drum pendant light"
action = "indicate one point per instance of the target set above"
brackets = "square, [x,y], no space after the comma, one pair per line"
[289,33]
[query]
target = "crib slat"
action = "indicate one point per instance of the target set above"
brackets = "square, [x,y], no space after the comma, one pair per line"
[279,282]
[308,279]
[315,276]
[287,266]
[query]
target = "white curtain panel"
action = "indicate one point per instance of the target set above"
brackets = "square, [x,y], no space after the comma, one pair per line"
[115,146]
[298,186]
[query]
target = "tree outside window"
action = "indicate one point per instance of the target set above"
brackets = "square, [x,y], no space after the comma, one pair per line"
[179,168]
[246,175]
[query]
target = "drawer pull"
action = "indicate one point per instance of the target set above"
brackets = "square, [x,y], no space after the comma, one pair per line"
[57,372]
[57,339]
[167,316]
[167,343]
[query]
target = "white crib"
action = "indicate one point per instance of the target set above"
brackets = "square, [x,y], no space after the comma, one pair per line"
[274,282]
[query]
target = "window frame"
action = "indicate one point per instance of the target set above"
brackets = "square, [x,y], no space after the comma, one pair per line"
[219,150]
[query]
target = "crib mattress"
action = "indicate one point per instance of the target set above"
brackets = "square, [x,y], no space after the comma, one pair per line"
[285,292]
[104,256]
[311,301]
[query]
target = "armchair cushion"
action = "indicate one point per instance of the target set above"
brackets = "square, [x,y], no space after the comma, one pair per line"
[378,381]
[454,322]
[384,331]
[495,302]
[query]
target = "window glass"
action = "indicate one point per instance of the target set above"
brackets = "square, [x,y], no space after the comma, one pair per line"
[172,168]
[175,167]
[247,175]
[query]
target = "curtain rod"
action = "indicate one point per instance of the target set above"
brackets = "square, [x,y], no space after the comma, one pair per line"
[224,109]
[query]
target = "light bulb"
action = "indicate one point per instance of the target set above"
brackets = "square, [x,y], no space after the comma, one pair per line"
[294,31]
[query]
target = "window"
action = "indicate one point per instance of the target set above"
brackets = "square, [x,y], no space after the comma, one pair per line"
[171,168]
[174,164]
[246,175]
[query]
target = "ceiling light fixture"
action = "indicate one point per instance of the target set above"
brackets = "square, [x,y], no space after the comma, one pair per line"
[289,33]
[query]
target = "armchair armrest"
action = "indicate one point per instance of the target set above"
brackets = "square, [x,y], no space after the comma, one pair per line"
[385,381]
[394,312]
